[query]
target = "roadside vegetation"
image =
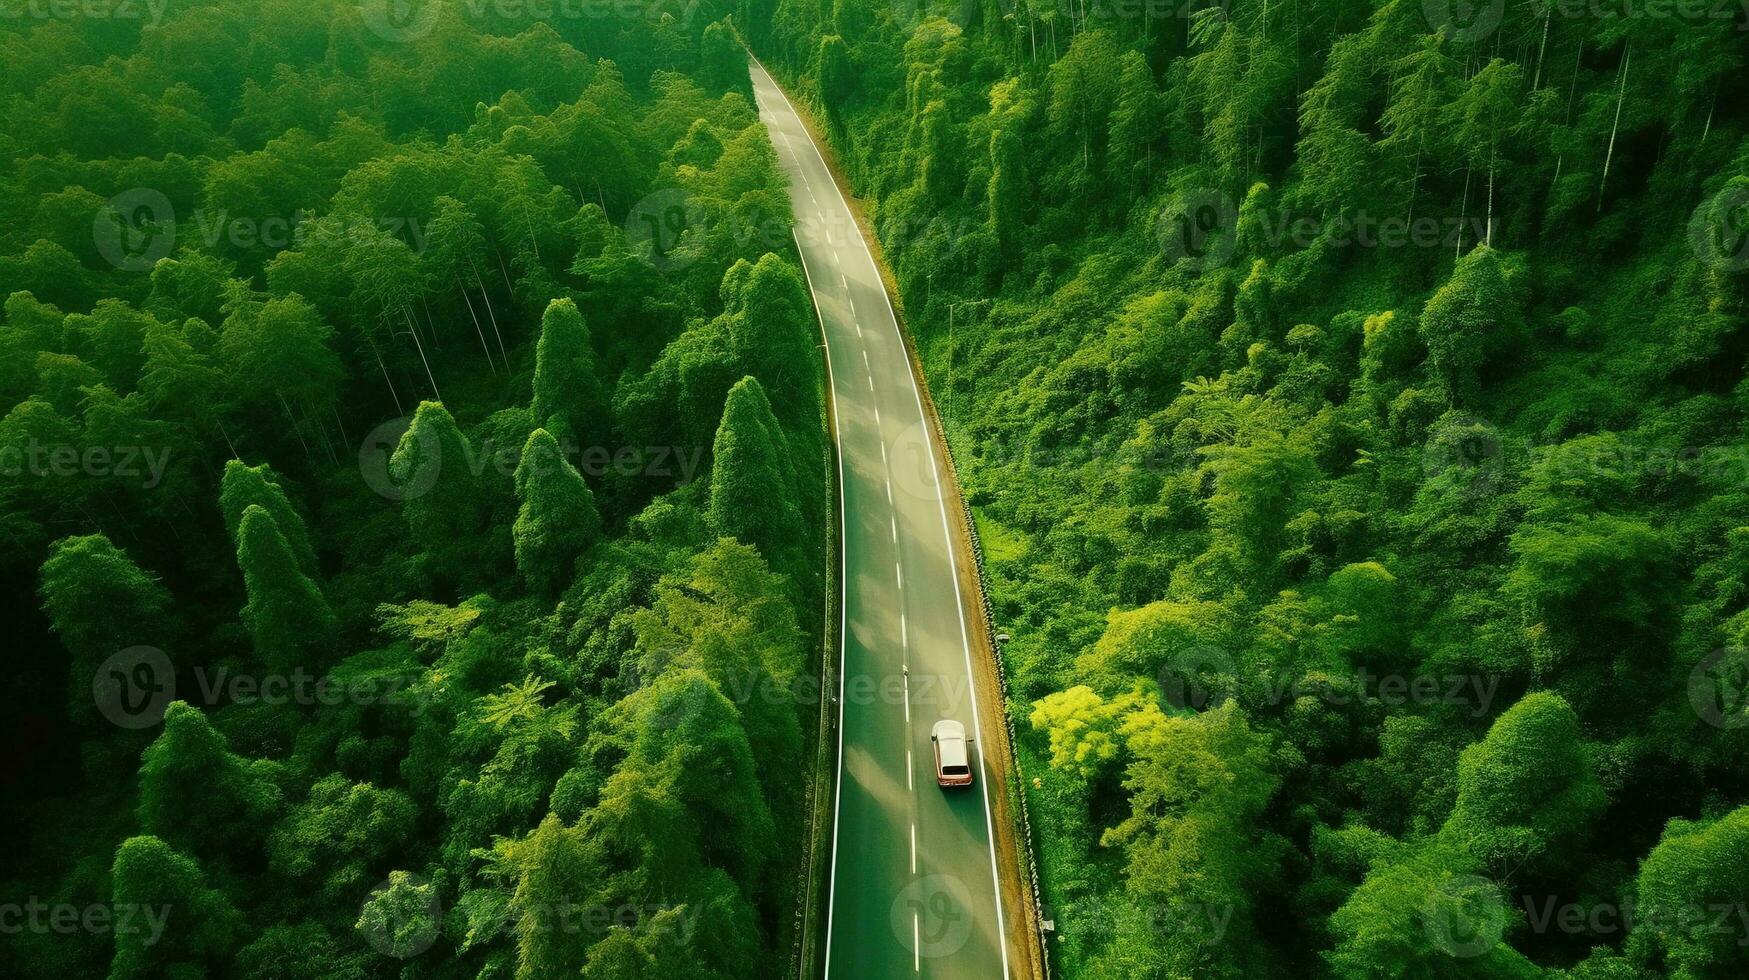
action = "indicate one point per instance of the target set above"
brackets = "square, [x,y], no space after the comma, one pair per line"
[1351,400]
[410,503]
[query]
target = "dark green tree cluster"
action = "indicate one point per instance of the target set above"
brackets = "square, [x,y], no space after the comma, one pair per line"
[419,409]
[1300,353]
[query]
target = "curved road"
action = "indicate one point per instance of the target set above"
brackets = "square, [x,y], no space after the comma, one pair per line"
[913,870]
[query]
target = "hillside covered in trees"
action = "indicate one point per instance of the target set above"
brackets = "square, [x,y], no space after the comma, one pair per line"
[1351,399]
[411,454]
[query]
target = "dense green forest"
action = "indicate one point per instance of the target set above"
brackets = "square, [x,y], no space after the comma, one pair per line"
[1350,396]
[412,451]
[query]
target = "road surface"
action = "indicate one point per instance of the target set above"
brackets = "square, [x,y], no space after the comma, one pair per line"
[913,868]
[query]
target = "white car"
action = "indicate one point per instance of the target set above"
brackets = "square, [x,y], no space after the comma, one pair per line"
[953,761]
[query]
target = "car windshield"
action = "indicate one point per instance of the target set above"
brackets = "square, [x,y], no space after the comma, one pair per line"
[954,770]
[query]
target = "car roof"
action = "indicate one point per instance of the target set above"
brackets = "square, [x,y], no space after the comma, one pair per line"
[951,737]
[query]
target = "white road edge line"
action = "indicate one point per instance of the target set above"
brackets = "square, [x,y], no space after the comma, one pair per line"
[953,557]
[843,600]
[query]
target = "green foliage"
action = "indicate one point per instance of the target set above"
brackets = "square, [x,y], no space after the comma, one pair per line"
[244,486]
[197,795]
[567,392]
[557,521]
[443,503]
[290,621]
[100,602]
[1693,880]
[752,476]
[1358,370]
[181,926]
[273,254]
[1526,794]
[332,841]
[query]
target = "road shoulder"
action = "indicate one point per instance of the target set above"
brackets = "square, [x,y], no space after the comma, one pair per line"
[1015,876]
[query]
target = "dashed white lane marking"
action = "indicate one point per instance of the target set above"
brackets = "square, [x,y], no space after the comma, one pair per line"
[913,848]
[906,678]
[901,570]
[908,768]
[895,522]
[916,927]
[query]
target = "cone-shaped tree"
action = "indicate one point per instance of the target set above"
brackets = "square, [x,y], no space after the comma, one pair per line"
[286,614]
[752,491]
[244,485]
[198,795]
[557,872]
[1007,192]
[1698,865]
[443,501]
[723,62]
[772,332]
[567,392]
[557,521]
[1476,312]
[1527,792]
[182,927]
[100,602]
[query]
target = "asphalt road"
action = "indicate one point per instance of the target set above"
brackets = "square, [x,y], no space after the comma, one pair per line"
[913,870]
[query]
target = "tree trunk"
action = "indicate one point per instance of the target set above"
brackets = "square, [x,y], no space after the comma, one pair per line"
[477,330]
[1620,96]
[1541,50]
[1464,215]
[399,410]
[407,314]
[489,312]
[297,429]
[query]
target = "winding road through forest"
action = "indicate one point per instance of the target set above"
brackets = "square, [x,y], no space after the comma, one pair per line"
[913,888]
